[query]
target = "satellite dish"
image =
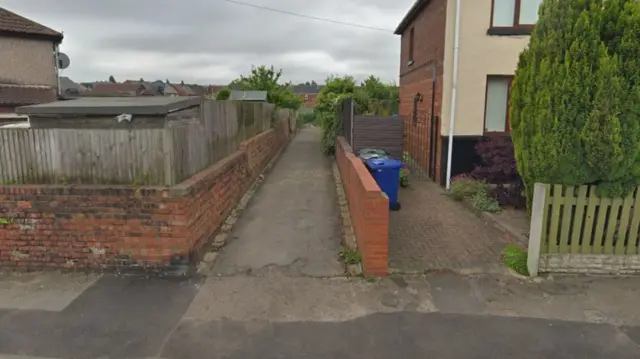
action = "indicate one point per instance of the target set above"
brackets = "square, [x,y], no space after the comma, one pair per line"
[63,61]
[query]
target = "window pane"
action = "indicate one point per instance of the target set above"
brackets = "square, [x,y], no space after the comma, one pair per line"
[504,12]
[529,11]
[497,98]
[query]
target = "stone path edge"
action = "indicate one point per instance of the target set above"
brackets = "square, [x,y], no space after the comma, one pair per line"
[220,239]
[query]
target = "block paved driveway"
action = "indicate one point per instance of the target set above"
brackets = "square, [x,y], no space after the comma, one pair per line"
[433,232]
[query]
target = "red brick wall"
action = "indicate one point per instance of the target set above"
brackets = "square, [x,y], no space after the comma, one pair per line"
[429,42]
[369,209]
[309,99]
[123,226]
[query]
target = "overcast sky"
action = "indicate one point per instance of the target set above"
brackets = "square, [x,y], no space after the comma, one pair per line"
[213,41]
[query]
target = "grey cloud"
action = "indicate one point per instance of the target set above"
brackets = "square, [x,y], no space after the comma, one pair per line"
[206,34]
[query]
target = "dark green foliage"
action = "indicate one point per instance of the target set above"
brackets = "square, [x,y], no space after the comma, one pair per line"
[575,103]
[223,94]
[328,108]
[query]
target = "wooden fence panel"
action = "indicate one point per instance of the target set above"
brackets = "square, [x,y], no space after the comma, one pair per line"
[581,222]
[150,156]
[632,241]
[88,156]
[574,230]
[381,132]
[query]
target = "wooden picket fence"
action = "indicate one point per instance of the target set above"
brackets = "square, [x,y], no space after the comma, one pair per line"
[572,226]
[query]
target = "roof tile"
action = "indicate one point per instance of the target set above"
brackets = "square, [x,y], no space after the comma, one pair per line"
[14,23]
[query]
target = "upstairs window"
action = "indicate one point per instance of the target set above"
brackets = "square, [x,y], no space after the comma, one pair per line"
[514,13]
[411,41]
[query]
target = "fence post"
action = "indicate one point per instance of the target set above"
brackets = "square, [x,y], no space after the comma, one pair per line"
[535,231]
[167,146]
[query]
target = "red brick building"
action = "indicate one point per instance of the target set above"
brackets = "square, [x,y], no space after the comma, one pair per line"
[421,82]
[490,36]
[309,99]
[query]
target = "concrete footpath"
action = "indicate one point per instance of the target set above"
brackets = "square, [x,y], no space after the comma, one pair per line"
[277,291]
[291,224]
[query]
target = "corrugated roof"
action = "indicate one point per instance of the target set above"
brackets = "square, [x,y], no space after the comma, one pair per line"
[12,23]
[141,105]
[17,95]
[248,95]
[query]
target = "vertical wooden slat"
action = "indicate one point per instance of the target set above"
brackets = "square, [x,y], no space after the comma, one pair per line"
[544,243]
[601,221]
[566,221]
[612,226]
[593,202]
[6,175]
[578,218]
[632,246]
[556,203]
[625,215]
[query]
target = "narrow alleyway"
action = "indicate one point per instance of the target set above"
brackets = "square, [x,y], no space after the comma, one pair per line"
[276,291]
[292,224]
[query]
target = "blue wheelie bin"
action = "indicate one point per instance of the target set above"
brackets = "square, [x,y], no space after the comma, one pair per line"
[386,172]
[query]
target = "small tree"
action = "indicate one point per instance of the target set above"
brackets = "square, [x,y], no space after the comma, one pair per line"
[575,103]
[264,78]
[112,79]
[328,104]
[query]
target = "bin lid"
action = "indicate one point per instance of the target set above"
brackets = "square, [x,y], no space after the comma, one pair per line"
[368,156]
[379,151]
[384,163]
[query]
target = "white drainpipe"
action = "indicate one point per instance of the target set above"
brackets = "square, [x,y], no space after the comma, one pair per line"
[454,88]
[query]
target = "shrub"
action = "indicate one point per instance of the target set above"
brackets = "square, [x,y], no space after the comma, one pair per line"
[575,99]
[499,167]
[511,194]
[223,94]
[498,161]
[465,186]
[516,259]
[482,201]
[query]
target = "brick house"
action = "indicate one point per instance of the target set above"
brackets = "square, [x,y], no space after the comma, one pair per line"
[27,62]
[309,99]
[491,34]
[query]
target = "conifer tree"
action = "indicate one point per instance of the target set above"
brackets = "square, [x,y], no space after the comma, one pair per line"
[575,101]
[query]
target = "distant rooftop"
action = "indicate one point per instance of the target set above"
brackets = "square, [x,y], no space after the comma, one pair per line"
[152,105]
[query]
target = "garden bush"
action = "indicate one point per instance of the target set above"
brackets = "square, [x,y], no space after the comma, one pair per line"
[575,99]
[465,186]
[499,168]
[484,202]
